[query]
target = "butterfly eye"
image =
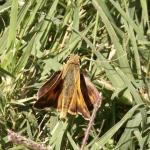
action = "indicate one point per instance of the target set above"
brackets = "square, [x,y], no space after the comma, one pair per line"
[66,59]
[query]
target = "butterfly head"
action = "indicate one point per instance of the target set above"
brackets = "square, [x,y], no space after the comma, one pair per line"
[74,59]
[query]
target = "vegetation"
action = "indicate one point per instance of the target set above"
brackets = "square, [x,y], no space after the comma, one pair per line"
[113,41]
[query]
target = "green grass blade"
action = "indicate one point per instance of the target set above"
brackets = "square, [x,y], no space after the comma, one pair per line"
[125,140]
[13,25]
[129,84]
[24,58]
[102,140]
[73,144]
[122,55]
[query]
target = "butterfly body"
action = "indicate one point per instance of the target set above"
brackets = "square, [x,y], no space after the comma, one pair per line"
[69,91]
[70,78]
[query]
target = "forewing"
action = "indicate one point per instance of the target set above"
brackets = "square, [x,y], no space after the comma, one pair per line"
[89,91]
[78,105]
[49,93]
[73,104]
[50,84]
[81,106]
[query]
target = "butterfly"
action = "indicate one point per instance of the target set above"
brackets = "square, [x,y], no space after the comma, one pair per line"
[69,91]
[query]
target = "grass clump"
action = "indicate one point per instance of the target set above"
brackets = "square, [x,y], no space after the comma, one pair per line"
[112,38]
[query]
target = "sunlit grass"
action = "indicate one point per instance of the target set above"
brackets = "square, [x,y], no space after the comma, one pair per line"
[112,39]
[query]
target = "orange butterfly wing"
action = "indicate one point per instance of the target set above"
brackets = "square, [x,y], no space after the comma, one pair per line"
[89,91]
[78,104]
[48,94]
